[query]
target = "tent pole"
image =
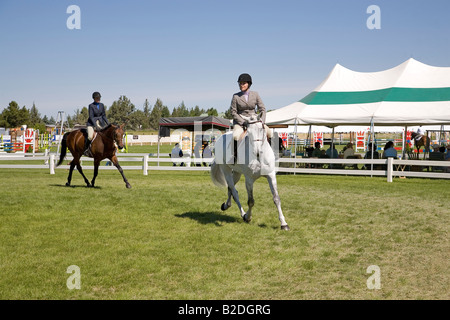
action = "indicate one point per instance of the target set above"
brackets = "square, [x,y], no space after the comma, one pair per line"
[404,143]
[296,138]
[332,147]
[295,147]
[309,142]
[332,143]
[372,140]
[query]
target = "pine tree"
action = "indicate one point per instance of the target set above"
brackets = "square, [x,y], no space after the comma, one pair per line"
[13,116]
[156,114]
[195,112]
[212,112]
[147,112]
[228,114]
[35,116]
[45,119]
[181,111]
[165,112]
[120,111]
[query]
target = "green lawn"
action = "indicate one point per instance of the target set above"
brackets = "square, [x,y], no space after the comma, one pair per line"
[166,238]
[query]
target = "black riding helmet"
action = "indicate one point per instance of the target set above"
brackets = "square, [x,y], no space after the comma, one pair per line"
[245,77]
[96,95]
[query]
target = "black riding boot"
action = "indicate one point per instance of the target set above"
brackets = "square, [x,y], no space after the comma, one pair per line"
[87,143]
[235,151]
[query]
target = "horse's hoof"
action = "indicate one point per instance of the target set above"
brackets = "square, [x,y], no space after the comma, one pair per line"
[128,186]
[286,228]
[246,220]
[224,207]
[67,184]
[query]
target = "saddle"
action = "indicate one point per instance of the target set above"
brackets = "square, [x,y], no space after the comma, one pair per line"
[87,144]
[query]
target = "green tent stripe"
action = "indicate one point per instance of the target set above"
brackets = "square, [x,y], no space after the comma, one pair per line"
[390,94]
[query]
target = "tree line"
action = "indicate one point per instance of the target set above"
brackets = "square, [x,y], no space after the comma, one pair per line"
[121,111]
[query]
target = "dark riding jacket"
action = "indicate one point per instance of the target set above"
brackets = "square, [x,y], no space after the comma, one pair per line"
[97,112]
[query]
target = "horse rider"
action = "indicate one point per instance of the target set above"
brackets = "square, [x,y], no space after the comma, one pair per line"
[244,103]
[420,133]
[97,118]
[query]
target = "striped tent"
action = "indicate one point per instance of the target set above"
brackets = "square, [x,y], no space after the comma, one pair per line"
[410,94]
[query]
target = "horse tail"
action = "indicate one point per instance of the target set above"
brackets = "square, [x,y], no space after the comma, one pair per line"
[63,149]
[217,176]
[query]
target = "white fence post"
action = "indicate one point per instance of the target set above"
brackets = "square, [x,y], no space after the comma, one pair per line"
[390,169]
[145,165]
[51,163]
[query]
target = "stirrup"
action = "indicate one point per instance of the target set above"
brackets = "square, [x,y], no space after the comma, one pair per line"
[87,151]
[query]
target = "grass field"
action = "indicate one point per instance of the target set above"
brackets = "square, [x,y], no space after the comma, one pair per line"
[166,238]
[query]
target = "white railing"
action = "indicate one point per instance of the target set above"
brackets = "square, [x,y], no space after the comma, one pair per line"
[145,162]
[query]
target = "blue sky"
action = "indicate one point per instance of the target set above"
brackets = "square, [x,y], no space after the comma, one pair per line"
[194,50]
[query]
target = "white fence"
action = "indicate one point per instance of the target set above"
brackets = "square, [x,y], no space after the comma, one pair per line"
[146,162]
[144,139]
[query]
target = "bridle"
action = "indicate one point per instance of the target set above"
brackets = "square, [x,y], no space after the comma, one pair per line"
[114,134]
[262,138]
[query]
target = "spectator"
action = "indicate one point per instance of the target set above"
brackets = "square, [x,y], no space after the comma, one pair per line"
[389,151]
[349,151]
[316,152]
[333,155]
[369,154]
[435,147]
[176,154]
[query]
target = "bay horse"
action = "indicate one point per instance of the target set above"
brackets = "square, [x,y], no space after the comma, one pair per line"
[255,158]
[423,141]
[102,147]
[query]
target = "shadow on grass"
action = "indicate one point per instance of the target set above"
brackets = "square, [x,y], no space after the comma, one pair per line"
[208,217]
[73,186]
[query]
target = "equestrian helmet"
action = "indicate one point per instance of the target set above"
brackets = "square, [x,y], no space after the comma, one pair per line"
[245,77]
[96,95]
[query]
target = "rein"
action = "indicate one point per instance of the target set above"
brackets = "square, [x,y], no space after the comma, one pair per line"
[263,131]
